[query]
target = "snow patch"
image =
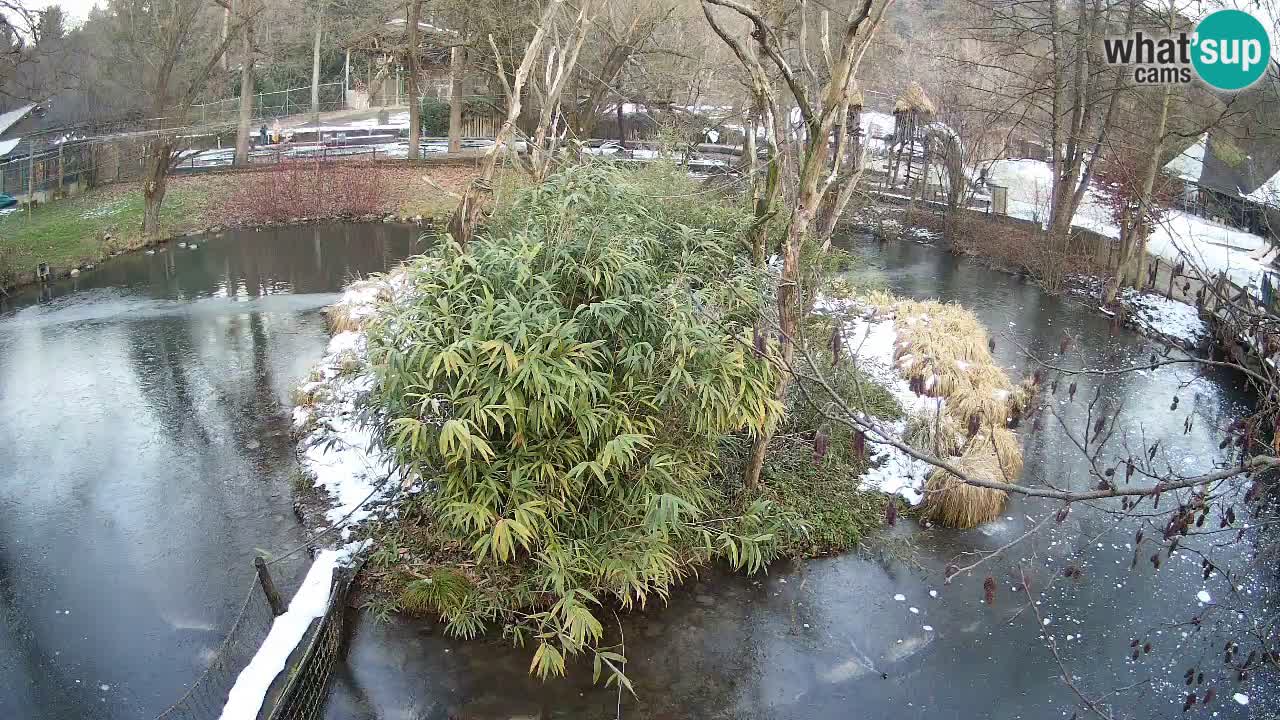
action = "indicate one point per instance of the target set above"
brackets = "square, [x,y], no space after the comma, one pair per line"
[1166,317]
[311,601]
[1241,698]
[871,342]
[341,451]
[1204,597]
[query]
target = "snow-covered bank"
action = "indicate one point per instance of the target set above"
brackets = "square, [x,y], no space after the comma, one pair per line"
[310,602]
[340,450]
[871,340]
[1208,246]
[1150,312]
[1166,318]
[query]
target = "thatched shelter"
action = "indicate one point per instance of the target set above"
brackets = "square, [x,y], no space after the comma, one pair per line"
[852,125]
[912,112]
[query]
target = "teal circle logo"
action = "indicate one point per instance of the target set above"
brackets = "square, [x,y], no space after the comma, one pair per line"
[1232,50]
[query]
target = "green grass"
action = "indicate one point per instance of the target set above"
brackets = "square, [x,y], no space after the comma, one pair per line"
[66,233]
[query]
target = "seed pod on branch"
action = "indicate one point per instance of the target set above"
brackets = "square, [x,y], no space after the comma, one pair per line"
[1071,391]
[991,344]
[891,512]
[821,441]
[758,342]
[1062,514]
[837,345]
[1174,405]
[989,590]
[1208,696]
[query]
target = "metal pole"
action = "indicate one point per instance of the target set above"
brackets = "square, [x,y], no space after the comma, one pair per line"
[60,171]
[31,176]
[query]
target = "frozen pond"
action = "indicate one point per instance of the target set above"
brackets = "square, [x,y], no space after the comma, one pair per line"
[878,636]
[145,454]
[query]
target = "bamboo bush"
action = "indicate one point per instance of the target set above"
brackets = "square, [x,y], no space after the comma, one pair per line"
[564,385]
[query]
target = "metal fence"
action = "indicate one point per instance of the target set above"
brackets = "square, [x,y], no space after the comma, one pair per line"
[303,697]
[208,694]
[46,171]
[306,680]
[280,103]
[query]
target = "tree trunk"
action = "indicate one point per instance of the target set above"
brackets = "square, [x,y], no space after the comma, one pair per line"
[243,129]
[154,187]
[315,63]
[789,301]
[457,56]
[415,107]
[1133,229]
[622,128]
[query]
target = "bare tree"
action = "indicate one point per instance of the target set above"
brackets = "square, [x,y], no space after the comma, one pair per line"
[168,44]
[559,65]
[246,11]
[412,18]
[819,103]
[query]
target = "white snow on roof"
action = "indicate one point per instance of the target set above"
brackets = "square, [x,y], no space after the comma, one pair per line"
[1268,193]
[423,25]
[7,145]
[1189,163]
[13,116]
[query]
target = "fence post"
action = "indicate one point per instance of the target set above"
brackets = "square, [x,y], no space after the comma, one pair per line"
[60,171]
[268,587]
[31,176]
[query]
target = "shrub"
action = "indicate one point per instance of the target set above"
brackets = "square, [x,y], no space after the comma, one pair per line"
[304,188]
[565,386]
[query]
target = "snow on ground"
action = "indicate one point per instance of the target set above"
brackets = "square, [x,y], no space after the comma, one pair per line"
[1209,246]
[340,450]
[1169,318]
[1204,244]
[311,601]
[871,342]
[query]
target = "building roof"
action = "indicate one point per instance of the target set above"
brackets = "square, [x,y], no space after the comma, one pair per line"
[8,119]
[1189,164]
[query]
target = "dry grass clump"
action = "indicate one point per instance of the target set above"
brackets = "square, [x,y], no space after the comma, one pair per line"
[944,351]
[351,311]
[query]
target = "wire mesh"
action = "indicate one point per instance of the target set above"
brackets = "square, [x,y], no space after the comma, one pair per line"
[207,695]
[303,698]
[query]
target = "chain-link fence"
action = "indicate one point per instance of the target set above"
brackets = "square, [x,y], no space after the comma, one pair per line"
[280,103]
[46,171]
[301,694]
[303,697]
[208,694]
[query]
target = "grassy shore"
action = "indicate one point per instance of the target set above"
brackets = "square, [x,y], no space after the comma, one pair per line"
[105,220]
[88,227]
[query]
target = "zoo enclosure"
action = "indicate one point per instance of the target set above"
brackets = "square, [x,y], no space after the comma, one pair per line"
[280,103]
